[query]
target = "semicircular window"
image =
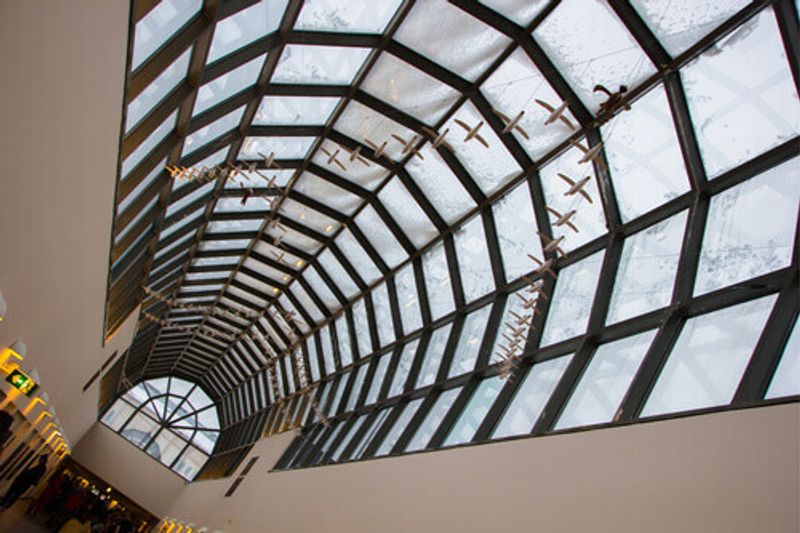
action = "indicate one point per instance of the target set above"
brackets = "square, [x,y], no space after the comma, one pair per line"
[172,419]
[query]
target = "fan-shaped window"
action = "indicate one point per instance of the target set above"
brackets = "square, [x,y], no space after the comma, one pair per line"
[173,420]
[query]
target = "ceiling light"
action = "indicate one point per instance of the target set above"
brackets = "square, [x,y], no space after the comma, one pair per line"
[328,228]
[298,263]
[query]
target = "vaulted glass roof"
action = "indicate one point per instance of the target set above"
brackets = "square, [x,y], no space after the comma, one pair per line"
[345,216]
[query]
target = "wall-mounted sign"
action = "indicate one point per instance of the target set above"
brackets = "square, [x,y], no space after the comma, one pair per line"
[22,382]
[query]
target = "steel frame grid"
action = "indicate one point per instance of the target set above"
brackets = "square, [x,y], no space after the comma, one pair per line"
[529,45]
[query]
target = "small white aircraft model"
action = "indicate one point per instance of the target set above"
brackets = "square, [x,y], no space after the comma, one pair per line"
[247,193]
[279,257]
[355,155]
[332,158]
[522,320]
[512,124]
[589,154]
[576,187]
[379,151]
[408,145]
[563,219]
[269,160]
[472,133]
[556,113]
[516,332]
[437,139]
[527,303]
[552,245]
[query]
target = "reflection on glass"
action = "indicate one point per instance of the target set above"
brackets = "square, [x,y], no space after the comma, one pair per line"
[154,93]
[750,229]
[430,424]
[228,85]
[245,27]
[474,412]
[572,299]
[647,269]
[605,381]
[531,397]
[742,96]
[155,28]
[709,358]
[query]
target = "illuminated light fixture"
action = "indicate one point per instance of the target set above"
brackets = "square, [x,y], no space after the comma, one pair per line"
[275,290]
[286,277]
[3,307]
[23,383]
[32,403]
[41,416]
[328,228]
[298,263]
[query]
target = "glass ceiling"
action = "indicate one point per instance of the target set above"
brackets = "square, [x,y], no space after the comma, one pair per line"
[343,212]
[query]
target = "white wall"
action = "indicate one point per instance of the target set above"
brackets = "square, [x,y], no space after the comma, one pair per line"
[729,472]
[129,469]
[62,65]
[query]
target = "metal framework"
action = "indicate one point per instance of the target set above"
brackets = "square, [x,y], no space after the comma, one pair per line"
[366,244]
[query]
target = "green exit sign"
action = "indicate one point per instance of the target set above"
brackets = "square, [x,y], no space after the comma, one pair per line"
[22,382]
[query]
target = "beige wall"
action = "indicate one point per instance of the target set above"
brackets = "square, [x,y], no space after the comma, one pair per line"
[129,469]
[62,65]
[729,472]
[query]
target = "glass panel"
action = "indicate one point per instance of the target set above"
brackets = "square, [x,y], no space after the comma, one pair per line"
[377,378]
[742,96]
[149,144]
[520,11]
[709,358]
[405,210]
[166,447]
[380,236]
[245,27]
[490,165]
[473,260]
[786,380]
[469,344]
[294,110]
[403,86]
[449,36]
[516,231]
[572,300]
[383,314]
[644,157]
[155,28]
[474,412]
[319,64]
[190,198]
[345,15]
[437,281]
[432,420]
[324,191]
[190,463]
[605,381]
[205,440]
[515,86]
[750,229]
[440,186]
[313,361]
[531,397]
[357,256]
[433,356]
[140,188]
[647,269]
[588,218]
[157,90]
[408,299]
[337,398]
[678,25]
[336,271]
[409,410]
[283,147]
[204,135]
[370,433]
[117,415]
[305,300]
[140,430]
[363,123]
[343,336]
[348,437]
[403,368]
[321,289]
[363,335]
[355,392]
[589,45]
[327,350]
[228,84]
[233,226]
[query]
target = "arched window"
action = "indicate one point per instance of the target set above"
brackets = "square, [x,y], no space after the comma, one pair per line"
[171,419]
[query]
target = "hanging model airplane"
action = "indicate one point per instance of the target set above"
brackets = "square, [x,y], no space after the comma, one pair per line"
[408,145]
[269,160]
[472,133]
[545,267]
[576,187]
[379,151]
[355,155]
[332,158]
[552,245]
[615,100]
[589,154]
[512,124]
[437,139]
[564,219]
[556,113]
